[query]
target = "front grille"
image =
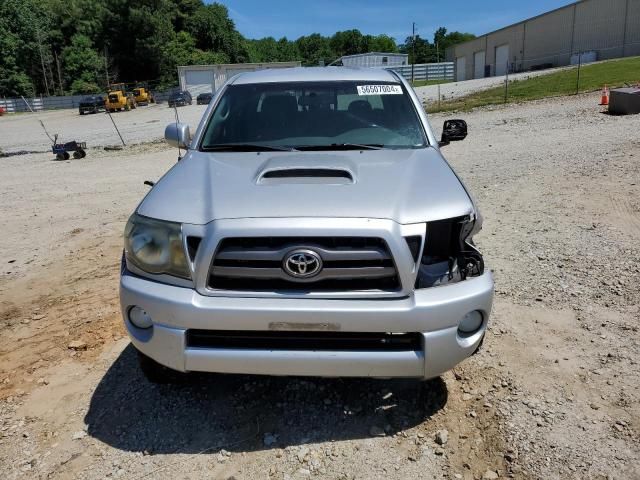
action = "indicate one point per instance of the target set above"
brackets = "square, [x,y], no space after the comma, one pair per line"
[310,341]
[349,264]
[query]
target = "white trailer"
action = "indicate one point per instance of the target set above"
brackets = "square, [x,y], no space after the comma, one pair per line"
[199,79]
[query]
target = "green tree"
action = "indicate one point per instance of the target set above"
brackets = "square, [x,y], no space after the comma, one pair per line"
[81,64]
[315,48]
[427,52]
[181,50]
[148,39]
[263,50]
[13,79]
[24,36]
[214,31]
[454,38]
[287,51]
[424,52]
[381,43]
[348,42]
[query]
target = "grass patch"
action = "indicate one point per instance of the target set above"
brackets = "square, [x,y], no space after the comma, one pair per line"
[614,73]
[426,83]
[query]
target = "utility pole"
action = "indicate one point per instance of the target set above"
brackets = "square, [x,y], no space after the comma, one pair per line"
[106,68]
[44,71]
[413,50]
[59,76]
[437,53]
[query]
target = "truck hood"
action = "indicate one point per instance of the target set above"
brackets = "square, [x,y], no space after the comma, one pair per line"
[407,186]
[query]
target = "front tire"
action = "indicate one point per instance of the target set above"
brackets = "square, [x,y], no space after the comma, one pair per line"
[157,373]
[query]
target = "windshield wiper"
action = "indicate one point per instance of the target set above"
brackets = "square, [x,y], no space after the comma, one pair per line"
[245,147]
[342,146]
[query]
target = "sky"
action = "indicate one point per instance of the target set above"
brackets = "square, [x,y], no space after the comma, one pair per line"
[292,19]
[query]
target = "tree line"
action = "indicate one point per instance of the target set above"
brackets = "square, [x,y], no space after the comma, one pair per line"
[55,47]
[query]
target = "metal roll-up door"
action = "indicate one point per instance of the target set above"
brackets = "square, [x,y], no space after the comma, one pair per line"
[478,64]
[461,73]
[198,81]
[502,57]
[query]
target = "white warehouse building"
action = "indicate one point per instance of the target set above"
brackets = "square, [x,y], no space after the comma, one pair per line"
[199,79]
[588,30]
[375,60]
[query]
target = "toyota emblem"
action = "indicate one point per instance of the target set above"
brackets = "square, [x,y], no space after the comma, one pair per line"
[302,263]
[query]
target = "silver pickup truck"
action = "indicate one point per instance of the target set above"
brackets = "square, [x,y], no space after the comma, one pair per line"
[312,228]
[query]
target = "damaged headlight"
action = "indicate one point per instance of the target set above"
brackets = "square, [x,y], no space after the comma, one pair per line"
[155,246]
[449,254]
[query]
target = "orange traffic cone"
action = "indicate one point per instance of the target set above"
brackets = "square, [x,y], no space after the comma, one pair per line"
[604,100]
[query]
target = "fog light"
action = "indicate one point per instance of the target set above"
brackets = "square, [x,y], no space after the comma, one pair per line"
[140,318]
[471,322]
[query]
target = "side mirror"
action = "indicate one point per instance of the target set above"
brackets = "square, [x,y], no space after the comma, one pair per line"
[453,131]
[178,135]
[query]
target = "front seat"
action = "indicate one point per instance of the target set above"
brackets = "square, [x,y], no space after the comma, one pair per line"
[279,116]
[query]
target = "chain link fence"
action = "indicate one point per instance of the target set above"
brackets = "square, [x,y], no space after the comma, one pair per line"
[584,74]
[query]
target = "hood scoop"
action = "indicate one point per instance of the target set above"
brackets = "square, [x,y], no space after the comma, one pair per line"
[323,170]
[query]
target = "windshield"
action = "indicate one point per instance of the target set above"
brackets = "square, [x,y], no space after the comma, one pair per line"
[323,115]
[136,92]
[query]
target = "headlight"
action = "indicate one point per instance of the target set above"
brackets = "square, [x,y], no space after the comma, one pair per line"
[449,255]
[155,246]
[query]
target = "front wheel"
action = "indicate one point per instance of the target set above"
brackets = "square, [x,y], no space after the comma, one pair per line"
[158,373]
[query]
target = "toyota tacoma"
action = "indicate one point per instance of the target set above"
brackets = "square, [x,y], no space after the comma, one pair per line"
[313,227]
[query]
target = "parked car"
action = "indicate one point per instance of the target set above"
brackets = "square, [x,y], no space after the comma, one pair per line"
[91,104]
[180,99]
[312,228]
[204,98]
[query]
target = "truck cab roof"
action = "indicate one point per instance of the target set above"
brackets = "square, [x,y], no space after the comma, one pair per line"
[315,74]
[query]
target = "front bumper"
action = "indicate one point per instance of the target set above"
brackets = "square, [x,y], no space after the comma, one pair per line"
[434,313]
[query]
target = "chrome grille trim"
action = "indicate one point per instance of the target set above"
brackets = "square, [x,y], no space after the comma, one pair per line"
[350,264]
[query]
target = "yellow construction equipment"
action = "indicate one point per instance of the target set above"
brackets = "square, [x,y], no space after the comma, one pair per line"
[143,96]
[118,99]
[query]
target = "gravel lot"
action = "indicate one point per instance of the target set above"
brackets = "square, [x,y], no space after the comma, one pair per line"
[553,394]
[23,133]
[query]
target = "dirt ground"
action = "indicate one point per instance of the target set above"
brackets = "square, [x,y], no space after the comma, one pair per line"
[553,394]
[22,132]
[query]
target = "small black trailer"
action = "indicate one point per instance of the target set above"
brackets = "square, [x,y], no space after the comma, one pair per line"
[61,150]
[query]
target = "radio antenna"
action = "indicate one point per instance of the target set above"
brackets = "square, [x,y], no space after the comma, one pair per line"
[175,109]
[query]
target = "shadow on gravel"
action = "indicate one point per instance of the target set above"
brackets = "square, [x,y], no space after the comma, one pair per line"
[245,413]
